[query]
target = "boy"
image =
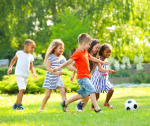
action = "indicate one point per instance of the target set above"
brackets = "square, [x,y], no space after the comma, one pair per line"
[81,58]
[24,63]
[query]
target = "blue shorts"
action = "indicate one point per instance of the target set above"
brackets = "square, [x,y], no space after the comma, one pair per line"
[86,88]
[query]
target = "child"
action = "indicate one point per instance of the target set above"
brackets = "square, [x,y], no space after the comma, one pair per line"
[53,80]
[81,58]
[100,80]
[93,50]
[24,63]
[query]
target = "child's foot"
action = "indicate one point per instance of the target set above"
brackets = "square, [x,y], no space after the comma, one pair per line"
[14,106]
[63,105]
[79,106]
[98,111]
[40,110]
[108,105]
[20,107]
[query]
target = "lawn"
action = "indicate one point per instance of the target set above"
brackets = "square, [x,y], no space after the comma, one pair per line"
[54,116]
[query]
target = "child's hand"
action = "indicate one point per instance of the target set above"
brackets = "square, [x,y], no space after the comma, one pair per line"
[105,62]
[55,69]
[71,79]
[112,71]
[59,73]
[106,71]
[9,70]
[34,75]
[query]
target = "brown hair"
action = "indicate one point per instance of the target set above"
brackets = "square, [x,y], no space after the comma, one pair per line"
[84,37]
[28,41]
[103,47]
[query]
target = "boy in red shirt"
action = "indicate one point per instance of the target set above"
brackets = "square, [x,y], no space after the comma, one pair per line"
[81,58]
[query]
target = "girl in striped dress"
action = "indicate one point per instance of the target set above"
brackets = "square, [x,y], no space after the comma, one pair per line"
[53,80]
[100,80]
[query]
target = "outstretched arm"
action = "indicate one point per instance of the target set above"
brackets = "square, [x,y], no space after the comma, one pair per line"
[32,70]
[102,69]
[97,60]
[112,71]
[11,64]
[63,65]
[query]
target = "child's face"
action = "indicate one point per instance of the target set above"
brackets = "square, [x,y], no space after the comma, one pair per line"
[95,48]
[60,49]
[30,48]
[106,53]
[87,45]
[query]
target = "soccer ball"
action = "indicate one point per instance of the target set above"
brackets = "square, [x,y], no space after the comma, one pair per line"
[131,105]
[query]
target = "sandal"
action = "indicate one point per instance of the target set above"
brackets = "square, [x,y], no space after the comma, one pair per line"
[98,111]
[108,105]
[63,105]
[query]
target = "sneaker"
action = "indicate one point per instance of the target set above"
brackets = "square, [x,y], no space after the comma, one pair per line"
[20,107]
[40,110]
[79,106]
[14,106]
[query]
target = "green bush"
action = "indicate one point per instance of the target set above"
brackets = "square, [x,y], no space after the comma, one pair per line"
[120,73]
[140,77]
[3,71]
[9,85]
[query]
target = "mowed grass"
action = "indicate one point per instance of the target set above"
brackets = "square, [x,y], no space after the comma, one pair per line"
[54,116]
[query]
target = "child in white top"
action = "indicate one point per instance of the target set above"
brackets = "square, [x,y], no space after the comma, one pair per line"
[53,80]
[24,63]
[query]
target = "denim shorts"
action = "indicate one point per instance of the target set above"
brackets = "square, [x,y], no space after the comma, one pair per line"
[86,88]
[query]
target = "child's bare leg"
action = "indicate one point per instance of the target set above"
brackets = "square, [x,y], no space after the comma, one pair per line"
[109,95]
[20,96]
[94,102]
[73,98]
[63,94]
[97,97]
[47,96]
[85,100]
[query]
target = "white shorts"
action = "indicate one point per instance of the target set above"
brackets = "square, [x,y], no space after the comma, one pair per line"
[21,82]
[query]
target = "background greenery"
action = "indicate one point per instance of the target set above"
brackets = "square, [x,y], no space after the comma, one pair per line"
[122,23]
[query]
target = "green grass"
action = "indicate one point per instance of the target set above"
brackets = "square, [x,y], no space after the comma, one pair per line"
[54,116]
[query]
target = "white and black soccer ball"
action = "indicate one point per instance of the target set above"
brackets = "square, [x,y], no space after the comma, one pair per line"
[131,104]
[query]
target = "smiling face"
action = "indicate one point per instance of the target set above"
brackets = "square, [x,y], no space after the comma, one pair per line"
[106,53]
[29,48]
[59,50]
[95,49]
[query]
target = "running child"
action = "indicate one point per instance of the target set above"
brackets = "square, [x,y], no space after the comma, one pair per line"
[100,79]
[24,63]
[81,58]
[53,80]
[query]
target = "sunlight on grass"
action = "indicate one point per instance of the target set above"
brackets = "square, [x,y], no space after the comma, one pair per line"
[54,116]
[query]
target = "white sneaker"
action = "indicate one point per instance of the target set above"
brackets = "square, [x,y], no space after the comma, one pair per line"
[40,110]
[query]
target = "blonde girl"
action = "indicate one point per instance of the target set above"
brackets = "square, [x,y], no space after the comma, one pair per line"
[53,80]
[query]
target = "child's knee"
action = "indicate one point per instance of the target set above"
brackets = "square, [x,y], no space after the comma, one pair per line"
[22,90]
[112,90]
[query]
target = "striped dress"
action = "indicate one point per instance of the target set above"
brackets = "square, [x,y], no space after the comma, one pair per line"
[100,81]
[52,81]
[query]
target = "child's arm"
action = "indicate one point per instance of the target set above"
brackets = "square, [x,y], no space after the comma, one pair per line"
[112,71]
[102,69]
[97,60]
[72,77]
[72,68]
[11,64]
[32,70]
[48,68]
[63,65]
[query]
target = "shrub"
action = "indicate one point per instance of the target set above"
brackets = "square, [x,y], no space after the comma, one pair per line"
[9,85]
[140,77]
[120,73]
[3,71]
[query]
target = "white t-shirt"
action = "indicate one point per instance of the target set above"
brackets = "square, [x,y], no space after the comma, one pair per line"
[23,63]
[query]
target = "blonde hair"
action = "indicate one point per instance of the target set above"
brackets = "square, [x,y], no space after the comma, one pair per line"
[54,44]
[84,37]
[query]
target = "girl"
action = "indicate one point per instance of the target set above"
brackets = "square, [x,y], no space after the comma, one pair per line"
[53,80]
[93,51]
[100,80]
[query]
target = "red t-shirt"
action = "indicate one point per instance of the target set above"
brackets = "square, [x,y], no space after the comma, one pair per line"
[81,59]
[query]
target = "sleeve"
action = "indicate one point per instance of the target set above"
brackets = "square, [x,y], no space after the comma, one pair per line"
[63,60]
[50,58]
[89,55]
[32,58]
[17,53]
[75,55]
